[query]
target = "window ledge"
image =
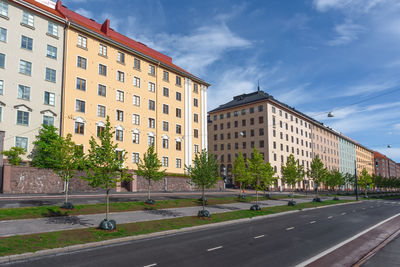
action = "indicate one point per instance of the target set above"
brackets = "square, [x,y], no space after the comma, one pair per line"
[122,63]
[105,56]
[4,17]
[138,69]
[151,74]
[50,81]
[28,26]
[25,74]
[82,47]
[52,35]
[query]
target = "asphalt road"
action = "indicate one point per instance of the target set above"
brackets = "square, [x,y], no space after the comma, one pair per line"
[278,241]
[387,256]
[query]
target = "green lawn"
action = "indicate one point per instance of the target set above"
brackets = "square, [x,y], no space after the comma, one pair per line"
[34,242]
[51,211]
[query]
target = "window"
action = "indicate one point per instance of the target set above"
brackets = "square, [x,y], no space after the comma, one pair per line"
[51,52]
[121,57]
[23,118]
[165,109]
[152,87]
[102,50]
[52,29]
[166,91]
[102,70]
[25,67]
[80,106]
[81,62]
[49,98]
[165,143]
[80,84]
[1,87]
[4,8]
[135,157]
[48,120]
[2,60]
[136,119]
[119,155]
[120,76]
[261,131]
[195,102]
[24,92]
[165,161]
[152,123]
[120,96]
[79,128]
[100,130]
[136,63]
[82,41]
[196,117]
[260,120]
[178,163]
[178,96]
[273,110]
[152,70]
[27,19]
[178,129]
[136,81]
[21,142]
[196,133]
[152,105]
[178,145]
[101,90]
[178,80]
[196,149]
[119,135]
[135,138]
[165,126]
[101,111]
[195,88]
[3,34]
[119,115]
[26,42]
[50,75]
[178,113]
[166,76]
[136,100]
[150,140]
[260,108]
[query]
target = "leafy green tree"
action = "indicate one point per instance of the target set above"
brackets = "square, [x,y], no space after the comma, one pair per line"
[261,174]
[240,172]
[104,165]
[318,173]
[365,180]
[149,168]
[204,174]
[43,154]
[377,180]
[350,179]
[335,179]
[69,160]
[292,173]
[14,155]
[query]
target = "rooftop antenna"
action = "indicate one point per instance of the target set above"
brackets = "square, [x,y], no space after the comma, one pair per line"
[258,86]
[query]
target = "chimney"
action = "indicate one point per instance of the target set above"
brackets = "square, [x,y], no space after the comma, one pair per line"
[106,27]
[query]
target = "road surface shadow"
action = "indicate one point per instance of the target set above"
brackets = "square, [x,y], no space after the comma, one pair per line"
[164,213]
[224,207]
[68,220]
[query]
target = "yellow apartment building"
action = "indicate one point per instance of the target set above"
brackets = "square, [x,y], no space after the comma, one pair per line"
[148,99]
[365,159]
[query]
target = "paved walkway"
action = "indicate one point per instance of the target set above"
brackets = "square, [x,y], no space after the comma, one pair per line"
[30,226]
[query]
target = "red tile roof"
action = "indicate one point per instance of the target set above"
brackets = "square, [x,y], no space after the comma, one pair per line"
[41,6]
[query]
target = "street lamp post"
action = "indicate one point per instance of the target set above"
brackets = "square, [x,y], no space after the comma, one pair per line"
[355,177]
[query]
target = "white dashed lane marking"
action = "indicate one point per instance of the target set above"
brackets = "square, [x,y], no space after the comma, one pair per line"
[256,237]
[211,249]
[344,213]
[330,217]
[150,265]
[313,222]
[290,228]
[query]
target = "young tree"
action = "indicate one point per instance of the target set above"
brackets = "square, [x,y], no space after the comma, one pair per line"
[350,179]
[149,168]
[43,154]
[364,181]
[317,173]
[104,167]
[14,155]
[240,172]
[260,174]
[335,179]
[69,160]
[204,174]
[292,173]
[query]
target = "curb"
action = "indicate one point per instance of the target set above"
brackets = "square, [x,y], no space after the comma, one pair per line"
[63,250]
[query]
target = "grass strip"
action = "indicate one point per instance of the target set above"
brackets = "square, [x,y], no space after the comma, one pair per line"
[55,211]
[35,242]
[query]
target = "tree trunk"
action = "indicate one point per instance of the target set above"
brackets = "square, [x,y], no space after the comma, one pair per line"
[107,203]
[256,195]
[240,194]
[202,197]
[148,190]
[66,191]
[293,192]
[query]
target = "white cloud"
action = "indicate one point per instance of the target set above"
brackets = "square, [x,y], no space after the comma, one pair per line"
[84,12]
[396,128]
[346,33]
[295,96]
[348,5]
[368,87]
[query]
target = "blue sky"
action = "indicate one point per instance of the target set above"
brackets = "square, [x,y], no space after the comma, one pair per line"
[315,55]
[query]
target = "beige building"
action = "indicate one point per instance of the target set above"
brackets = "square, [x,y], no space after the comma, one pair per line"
[31,64]
[365,159]
[325,145]
[258,120]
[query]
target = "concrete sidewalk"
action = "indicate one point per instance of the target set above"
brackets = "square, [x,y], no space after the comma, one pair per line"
[51,224]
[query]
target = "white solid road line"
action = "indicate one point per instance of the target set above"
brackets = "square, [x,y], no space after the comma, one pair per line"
[320,255]
[150,265]
[344,213]
[330,217]
[363,208]
[211,249]
[256,237]
[290,228]
[313,222]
